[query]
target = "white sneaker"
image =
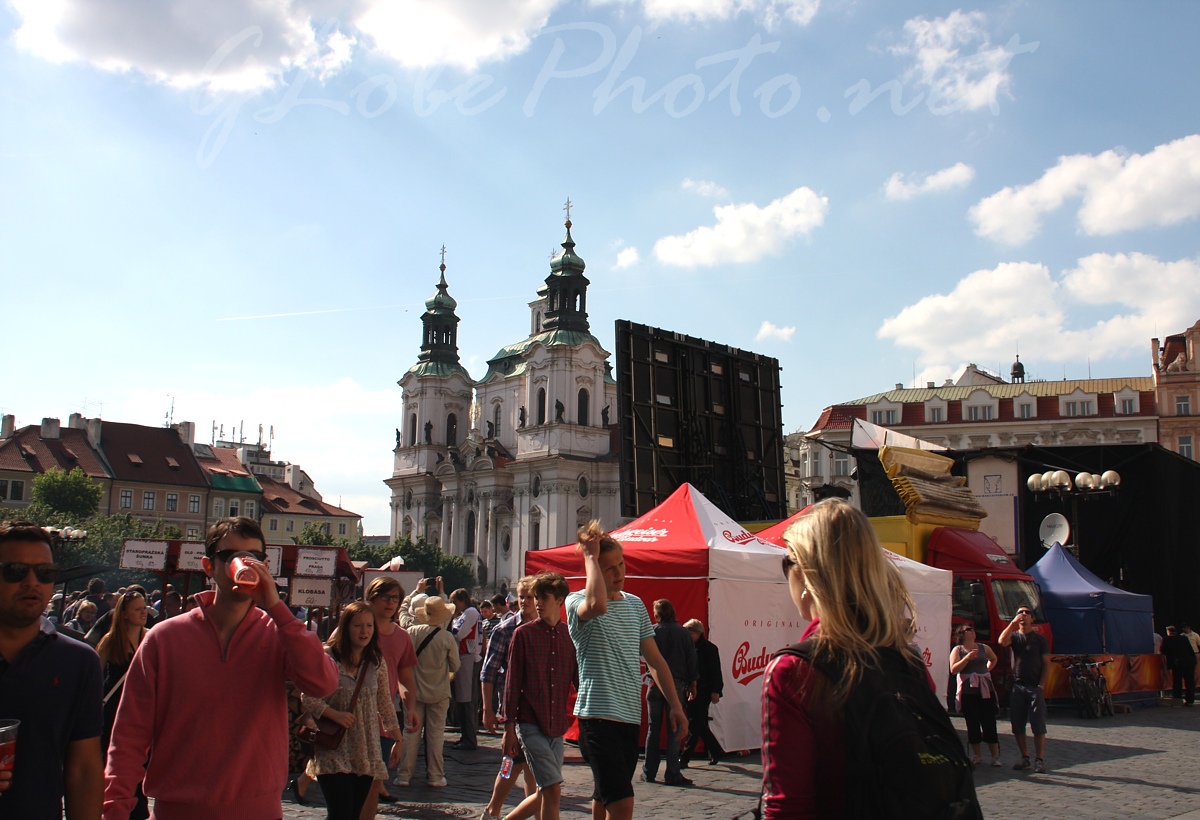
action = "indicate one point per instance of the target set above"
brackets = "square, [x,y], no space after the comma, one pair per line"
[440,783]
[487,816]
[996,761]
[399,781]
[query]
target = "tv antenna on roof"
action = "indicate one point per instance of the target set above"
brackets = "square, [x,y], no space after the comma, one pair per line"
[170,417]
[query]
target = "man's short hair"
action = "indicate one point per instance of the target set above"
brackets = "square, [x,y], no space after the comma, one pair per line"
[486,602]
[243,526]
[550,583]
[499,601]
[462,596]
[695,625]
[1023,608]
[24,531]
[664,611]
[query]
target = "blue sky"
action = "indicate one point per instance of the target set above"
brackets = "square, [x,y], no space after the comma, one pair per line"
[240,206]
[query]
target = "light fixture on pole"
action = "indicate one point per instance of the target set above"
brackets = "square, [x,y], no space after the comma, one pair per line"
[1085,485]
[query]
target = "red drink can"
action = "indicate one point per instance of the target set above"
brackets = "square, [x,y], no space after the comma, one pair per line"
[8,744]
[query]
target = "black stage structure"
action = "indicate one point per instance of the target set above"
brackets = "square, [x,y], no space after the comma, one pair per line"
[696,411]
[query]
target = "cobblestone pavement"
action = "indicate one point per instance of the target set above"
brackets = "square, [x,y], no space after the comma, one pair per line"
[1140,765]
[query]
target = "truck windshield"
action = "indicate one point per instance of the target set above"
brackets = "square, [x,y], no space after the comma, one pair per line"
[1012,593]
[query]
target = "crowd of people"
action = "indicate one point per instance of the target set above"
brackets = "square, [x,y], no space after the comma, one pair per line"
[207,706]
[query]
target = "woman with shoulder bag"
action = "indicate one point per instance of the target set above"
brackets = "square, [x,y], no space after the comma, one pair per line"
[347,771]
[116,649]
[973,664]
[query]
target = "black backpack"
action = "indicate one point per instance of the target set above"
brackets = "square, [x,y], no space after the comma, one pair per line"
[904,758]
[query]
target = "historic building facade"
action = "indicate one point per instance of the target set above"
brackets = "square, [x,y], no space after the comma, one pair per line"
[515,461]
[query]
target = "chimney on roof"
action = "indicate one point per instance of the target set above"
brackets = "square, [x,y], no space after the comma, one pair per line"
[6,426]
[186,431]
[929,385]
[93,432]
[948,383]
[899,386]
[1155,354]
[75,421]
[50,429]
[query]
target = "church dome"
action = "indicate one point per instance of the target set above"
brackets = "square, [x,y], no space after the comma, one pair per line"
[567,262]
[441,301]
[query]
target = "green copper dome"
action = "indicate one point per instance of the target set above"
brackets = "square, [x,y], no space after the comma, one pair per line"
[567,263]
[442,301]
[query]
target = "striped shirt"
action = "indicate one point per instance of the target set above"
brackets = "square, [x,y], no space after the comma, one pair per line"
[610,662]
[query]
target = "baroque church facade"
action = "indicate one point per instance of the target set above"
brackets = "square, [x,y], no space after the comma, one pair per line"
[517,460]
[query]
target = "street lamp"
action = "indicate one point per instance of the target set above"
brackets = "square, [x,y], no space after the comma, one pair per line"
[1085,485]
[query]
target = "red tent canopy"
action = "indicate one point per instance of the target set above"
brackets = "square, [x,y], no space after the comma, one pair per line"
[774,533]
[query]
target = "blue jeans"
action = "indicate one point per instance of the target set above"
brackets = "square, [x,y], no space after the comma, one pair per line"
[659,713]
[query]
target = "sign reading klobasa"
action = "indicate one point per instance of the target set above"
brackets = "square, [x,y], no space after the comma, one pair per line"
[144,555]
[316,562]
[311,592]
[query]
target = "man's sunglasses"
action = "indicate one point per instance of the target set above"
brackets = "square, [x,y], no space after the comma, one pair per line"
[228,555]
[14,572]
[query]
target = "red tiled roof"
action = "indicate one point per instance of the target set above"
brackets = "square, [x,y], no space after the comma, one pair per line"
[839,417]
[225,463]
[281,499]
[26,451]
[139,453]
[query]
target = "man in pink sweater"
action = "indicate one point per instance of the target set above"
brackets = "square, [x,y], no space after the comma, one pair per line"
[205,697]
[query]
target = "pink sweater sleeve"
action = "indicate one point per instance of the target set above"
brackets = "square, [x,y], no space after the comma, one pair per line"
[307,664]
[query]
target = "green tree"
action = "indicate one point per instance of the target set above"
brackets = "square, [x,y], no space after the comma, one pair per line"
[430,561]
[72,494]
[314,535]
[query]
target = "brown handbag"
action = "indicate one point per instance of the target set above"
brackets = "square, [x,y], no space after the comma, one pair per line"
[328,734]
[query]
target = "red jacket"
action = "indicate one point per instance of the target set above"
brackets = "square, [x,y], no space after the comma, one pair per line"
[804,747]
[216,726]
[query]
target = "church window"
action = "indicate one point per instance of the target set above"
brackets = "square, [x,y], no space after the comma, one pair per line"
[583,407]
[537,486]
[451,430]
[583,487]
[469,547]
[496,419]
[541,405]
[412,429]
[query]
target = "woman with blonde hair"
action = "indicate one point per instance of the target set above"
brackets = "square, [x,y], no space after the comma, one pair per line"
[860,630]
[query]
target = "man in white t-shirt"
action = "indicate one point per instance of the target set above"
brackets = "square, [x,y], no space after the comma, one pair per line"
[468,629]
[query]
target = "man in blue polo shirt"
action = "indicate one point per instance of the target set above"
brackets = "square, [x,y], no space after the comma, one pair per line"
[52,684]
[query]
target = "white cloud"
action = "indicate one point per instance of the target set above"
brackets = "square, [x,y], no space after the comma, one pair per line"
[626,258]
[746,232]
[768,12]
[769,330]
[956,176]
[704,188]
[990,312]
[217,44]
[952,78]
[1118,192]
[234,45]
[429,33]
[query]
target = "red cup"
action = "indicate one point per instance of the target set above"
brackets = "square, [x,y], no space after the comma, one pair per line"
[242,573]
[8,744]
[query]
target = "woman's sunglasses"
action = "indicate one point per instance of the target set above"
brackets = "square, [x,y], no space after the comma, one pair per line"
[789,563]
[14,572]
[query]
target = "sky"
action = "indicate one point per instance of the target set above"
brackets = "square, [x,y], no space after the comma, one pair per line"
[231,211]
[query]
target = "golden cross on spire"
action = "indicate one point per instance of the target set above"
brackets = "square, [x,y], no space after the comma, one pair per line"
[443,256]
[567,208]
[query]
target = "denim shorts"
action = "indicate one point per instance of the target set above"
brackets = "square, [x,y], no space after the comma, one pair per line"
[543,754]
[1027,703]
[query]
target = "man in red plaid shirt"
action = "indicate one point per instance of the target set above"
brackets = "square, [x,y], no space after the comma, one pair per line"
[541,671]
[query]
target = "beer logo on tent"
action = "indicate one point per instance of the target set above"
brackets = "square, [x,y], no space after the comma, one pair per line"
[746,668]
[738,539]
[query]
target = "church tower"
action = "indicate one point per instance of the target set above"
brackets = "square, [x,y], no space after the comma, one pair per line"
[566,288]
[437,394]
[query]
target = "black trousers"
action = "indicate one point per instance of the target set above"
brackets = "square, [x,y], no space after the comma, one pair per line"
[699,729]
[345,794]
[980,714]
[1184,683]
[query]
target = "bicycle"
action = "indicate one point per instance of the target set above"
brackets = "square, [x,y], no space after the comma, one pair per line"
[1088,684]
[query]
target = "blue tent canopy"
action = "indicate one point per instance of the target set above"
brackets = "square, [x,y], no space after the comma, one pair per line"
[1089,616]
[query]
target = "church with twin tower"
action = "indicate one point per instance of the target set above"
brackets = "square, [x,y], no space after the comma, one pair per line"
[517,460]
